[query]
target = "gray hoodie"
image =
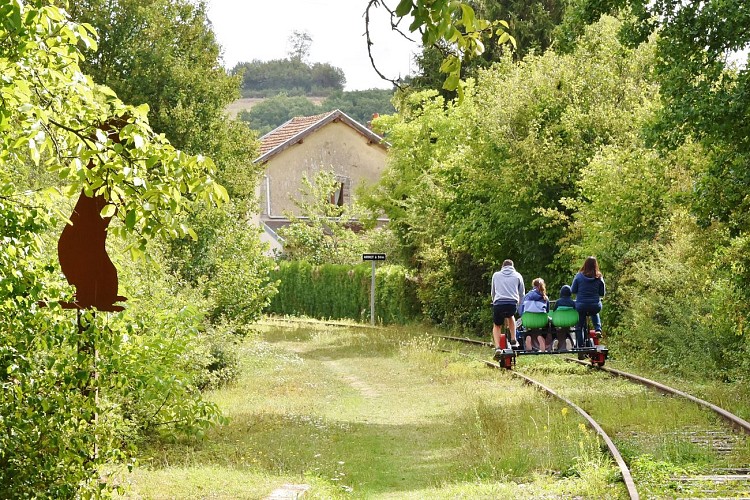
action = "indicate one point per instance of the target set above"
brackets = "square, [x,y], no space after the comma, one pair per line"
[507,286]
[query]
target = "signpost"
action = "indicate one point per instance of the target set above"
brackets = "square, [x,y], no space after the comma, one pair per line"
[374,257]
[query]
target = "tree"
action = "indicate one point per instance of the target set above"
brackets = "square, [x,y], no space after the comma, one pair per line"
[299,43]
[361,105]
[163,53]
[474,183]
[532,24]
[293,77]
[325,76]
[323,233]
[705,96]
[54,117]
[272,112]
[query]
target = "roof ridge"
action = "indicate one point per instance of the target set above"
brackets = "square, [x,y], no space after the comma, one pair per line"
[297,126]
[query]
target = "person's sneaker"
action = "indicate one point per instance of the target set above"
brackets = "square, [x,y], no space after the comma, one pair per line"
[598,334]
[498,354]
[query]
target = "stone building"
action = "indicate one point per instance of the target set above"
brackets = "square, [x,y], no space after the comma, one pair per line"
[305,145]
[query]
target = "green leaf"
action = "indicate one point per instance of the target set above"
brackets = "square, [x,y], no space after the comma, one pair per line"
[404,7]
[467,16]
[130,219]
[451,83]
[451,64]
[108,210]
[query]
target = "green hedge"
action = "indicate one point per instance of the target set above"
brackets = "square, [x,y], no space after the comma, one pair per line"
[333,291]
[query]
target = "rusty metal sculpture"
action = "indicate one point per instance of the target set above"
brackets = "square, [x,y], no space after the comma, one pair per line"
[82,250]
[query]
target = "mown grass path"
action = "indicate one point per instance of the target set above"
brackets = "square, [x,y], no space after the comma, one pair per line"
[378,413]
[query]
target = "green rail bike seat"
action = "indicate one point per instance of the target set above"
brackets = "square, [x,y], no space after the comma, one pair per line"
[564,317]
[534,320]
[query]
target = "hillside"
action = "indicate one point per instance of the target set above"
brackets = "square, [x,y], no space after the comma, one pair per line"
[246,103]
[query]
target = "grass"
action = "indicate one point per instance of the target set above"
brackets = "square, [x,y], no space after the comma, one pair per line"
[659,436]
[377,413]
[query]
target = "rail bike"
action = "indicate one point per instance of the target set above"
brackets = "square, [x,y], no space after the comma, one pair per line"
[549,334]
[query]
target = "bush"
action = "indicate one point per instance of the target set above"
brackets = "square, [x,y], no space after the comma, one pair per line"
[337,291]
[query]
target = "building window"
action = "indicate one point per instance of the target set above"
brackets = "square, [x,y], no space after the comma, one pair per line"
[341,191]
[337,197]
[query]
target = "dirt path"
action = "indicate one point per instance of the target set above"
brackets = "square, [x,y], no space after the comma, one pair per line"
[351,379]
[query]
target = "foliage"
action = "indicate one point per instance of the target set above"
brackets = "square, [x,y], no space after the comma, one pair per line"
[682,311]
[579,14]
[453,23]
[46,427]
[300,43]
[163,53]
[336,291]
[54,118]
[705,96]
[227,263]
[662,322]
[532,25]
[472,184]
[277,110]
[239,287]
[360,105]
[324,232]
[292,76]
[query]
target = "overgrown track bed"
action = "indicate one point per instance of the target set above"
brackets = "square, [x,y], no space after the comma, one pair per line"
[701,456]
[624,470]
[297,322]
[732,419]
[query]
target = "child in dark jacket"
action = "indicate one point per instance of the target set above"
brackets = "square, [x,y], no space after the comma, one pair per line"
[565,300]
[564,316]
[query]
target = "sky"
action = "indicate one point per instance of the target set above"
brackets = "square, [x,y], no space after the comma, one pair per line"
[260,29]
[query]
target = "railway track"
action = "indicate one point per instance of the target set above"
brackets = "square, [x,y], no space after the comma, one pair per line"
[733,420]
[737,423]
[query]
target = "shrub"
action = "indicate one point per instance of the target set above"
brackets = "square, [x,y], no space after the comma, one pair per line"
[339,291]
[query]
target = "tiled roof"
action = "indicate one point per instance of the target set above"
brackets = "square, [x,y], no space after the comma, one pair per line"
[298,127]
[286,131]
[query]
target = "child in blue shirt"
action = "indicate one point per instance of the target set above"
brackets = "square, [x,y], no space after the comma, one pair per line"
[536,301]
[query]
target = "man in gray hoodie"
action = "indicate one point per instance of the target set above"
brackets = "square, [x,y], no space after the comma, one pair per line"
[507,292]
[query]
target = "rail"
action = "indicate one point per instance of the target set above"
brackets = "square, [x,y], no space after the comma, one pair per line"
[625,471]
[732,419]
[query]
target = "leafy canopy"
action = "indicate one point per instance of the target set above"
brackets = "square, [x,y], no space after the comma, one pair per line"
[51,114]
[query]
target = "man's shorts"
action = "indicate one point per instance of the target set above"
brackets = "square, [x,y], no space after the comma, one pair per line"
[502,311]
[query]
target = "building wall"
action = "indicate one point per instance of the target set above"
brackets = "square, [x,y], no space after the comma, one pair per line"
[335,147]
